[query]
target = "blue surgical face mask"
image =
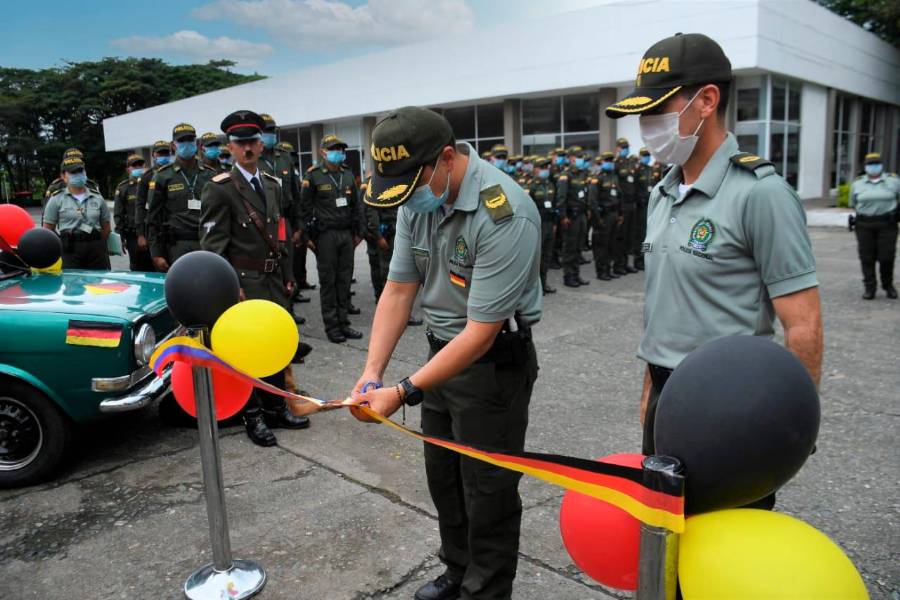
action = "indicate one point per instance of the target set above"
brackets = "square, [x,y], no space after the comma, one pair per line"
[186,150]
[423,199]
[579,163]
[137,172]
[519,164]
[624,152]
[608,166]
[335,157]
[269,140]
[162,161]
[645,159]
[211,152]
[874,169]
[560,161]
[509,169]
[77,180]
[500,163]
[544,173]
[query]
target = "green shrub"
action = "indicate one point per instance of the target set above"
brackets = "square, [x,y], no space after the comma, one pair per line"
[843,196]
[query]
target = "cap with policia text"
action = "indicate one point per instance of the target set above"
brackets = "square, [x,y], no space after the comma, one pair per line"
[669,65]
[183,131]
[332,141]
[161,145]
[243,125]
[70,164]
[402,145]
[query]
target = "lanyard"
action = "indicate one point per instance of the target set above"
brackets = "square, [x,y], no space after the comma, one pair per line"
[337,184]
[189,183]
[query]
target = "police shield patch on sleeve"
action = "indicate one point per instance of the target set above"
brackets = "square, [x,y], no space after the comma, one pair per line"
[496,203]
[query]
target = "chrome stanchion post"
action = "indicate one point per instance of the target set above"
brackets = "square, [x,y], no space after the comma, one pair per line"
[225,577]
[658,559]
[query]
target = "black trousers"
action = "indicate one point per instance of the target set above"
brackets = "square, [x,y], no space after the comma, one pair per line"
[877,242]
[602,243]
[138,259]
[85,254]
[299,263]
[478,505]
[334,257]
[623,237]
[265,400]
[548,231]
[379,264]
[571,249]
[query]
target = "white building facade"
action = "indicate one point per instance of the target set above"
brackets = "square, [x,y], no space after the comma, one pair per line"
[812,92]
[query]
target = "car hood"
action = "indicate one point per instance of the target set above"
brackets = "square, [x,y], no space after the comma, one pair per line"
[114,294]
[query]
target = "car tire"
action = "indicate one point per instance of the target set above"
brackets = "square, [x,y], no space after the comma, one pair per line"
[35,435]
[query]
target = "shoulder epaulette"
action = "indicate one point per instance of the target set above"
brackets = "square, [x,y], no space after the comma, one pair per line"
[496,203]
[748,161]
[222,177]
[273,178]
[594,180]
[208,168]
[363,185]
[57,192]
[562,178]
[164,167]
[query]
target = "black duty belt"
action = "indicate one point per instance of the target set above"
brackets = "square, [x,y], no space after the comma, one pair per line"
[245,263]
[659,376]
[509,348]
[184,235]
[80,236]
[885,218]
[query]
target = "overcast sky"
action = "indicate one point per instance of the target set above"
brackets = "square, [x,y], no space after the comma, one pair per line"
[268,36]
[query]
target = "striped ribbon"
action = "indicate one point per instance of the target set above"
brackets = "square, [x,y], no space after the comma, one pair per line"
[618,485]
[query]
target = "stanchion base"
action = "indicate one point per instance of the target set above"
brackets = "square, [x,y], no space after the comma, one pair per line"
[244,579]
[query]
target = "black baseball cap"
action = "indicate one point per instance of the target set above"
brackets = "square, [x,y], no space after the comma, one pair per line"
[70,164]
[403,143]
[332,141]
[183,131]
[243,125]
[160,145]
[269,121]
[681,60]
[209,138]
[873,158]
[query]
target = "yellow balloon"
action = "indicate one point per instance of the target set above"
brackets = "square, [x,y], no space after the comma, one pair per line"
[257,337]
[54,268]
[744,554]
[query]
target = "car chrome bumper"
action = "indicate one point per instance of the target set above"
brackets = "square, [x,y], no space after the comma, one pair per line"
[152,388]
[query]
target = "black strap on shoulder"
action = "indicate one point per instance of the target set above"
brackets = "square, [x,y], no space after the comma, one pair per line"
[749,161]
[257,221]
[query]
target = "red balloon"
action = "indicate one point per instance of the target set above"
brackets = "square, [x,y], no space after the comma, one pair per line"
[230,394]
[603,540]
[14,221]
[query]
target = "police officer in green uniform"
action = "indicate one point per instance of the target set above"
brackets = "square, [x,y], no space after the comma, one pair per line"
[329,195]
[60,183]
[605,203]
[875,195]
[649,174]
[623,241]
[81,218]
[241,213]
[572,202]
[225,158]
[543,192]
[161,156]
[210,150]
[469,237]
[500,157]
[125,205]
[727,249]
[173,201]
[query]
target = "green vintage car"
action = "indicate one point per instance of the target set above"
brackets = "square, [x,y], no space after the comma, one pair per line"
[73,346]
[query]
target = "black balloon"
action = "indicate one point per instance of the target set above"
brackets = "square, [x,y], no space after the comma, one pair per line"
[39,248]
[742,414]
[200,286]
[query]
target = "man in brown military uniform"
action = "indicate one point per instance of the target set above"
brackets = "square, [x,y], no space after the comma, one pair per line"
[125,212]
[241,215]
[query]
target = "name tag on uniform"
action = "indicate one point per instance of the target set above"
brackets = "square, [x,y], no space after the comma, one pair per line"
[630,179]
[647,247]
[548,204]
[613,193]
[193,204]
[649,188]
[341,202]
[581,193]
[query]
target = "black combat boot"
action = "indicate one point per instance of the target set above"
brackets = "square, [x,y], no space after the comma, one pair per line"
[442,588]
[257,430]
[869,294]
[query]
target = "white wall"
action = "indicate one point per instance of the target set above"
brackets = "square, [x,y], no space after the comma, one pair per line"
[814,128]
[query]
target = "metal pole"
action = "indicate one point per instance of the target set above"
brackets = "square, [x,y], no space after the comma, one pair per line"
[225,577]
[658,560]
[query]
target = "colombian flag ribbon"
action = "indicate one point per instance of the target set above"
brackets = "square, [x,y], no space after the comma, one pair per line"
[93,333]
[623,487]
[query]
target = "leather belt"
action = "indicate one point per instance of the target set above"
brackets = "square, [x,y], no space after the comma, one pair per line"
[884,218]
[81,236]
[268,265]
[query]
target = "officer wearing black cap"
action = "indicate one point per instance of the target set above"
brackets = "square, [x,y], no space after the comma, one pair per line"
[470,238]
[572,199]
[543,192]
[875,196]
[329,195]
[727,249]
[241,216]
[125,205]
[605,201]
[210,150]
[161,156]
[174,201]
[81,218]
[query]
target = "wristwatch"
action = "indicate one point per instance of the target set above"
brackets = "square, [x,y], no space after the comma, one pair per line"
[411,394]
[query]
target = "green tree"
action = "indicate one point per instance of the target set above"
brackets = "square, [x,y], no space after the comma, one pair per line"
[881,17]
[43,112]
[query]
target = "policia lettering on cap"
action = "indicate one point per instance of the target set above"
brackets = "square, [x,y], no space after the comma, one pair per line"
[726,249]
[469,237]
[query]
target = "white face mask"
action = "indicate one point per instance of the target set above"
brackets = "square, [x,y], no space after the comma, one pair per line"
[662,137]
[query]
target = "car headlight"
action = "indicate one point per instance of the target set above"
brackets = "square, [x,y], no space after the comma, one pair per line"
[144,344]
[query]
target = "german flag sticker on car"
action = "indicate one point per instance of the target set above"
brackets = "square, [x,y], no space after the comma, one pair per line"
[93,333]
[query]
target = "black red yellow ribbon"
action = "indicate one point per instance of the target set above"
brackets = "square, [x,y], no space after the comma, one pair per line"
[618,485]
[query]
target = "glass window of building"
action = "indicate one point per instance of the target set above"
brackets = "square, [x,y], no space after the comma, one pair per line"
[549,123]
[541,116]
[842,141]
[489,120]
[752,107]
[480,125]
[581,113]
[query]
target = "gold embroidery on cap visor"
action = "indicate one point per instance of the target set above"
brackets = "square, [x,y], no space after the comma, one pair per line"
[638,104]
[382,201]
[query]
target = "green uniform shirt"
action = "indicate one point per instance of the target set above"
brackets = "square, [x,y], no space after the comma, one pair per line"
[330,196]
[69,213]
[478,259]
[572,192]
[281,166]
[648,176]
[604,197]
[125,205]
[543,193]
[627,170]
[873,197]
[173,202]
[716,257]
